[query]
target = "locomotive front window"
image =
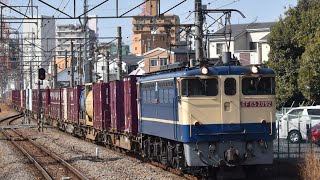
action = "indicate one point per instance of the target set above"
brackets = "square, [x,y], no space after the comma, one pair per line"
[258,86]
[199,87]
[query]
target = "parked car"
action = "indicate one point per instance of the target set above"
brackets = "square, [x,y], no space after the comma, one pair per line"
[315,134]
[296,123]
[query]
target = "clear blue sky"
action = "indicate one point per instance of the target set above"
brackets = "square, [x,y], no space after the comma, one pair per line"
[263,10]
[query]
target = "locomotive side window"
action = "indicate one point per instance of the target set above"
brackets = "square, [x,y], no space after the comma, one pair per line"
[199,87]
[230,87]
[258,86]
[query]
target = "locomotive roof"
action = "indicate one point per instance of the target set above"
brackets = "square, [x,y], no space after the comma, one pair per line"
[213,71]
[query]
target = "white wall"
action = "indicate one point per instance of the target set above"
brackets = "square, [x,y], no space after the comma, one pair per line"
[265,52]
[256,36]
[212,48]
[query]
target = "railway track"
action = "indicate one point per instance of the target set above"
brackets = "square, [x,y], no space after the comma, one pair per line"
[49,164]
[12,118]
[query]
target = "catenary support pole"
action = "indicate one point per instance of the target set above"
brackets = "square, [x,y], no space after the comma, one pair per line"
[71,67]
[198,31]
[119,61]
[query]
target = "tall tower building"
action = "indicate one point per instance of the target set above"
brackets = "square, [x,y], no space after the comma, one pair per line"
[151,31]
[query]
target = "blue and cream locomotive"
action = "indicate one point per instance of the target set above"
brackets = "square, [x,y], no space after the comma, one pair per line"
[209,116]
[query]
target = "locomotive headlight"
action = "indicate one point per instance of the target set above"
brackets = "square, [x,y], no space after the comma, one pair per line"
[204,70]
[254,69]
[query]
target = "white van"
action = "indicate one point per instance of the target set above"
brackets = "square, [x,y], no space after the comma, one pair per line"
[296,123]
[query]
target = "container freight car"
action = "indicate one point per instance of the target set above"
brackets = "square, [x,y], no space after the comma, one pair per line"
[116,108]
[35,98]
[23,100]
[101,108]
[29,100]
[130,105]
[16,99]
[45,103]
[55,104]
[100,114]
[64,104]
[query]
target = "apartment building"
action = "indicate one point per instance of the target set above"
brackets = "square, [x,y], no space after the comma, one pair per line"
[151,31]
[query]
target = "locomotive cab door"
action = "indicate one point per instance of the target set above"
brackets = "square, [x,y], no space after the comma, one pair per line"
[230,104]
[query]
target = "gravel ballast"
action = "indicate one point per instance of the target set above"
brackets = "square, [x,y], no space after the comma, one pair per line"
[109,165]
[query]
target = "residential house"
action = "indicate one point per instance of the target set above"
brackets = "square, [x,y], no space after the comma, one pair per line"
[248,42]
[154,59]
[129,64]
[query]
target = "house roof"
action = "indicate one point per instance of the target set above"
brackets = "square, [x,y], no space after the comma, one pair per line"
[265,38]
[129,59]
[237,29]
[173,50]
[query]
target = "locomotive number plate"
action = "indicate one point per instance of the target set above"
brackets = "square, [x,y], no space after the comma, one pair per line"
[256,103]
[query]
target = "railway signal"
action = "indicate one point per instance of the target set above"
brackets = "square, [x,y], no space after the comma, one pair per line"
[41,74]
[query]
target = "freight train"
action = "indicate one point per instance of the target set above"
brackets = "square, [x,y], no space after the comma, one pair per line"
[189,118]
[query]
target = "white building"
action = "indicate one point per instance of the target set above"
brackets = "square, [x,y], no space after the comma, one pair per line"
[129,64]
[248,42]
[183,38]
[73,32]
[38,48]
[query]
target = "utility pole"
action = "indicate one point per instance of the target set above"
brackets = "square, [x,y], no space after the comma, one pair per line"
[80,72]
[66,59]
[21,60]
[107,67]
[198,31]
[71,67]
[119,62]
[86,64]
[55,77]
[30,75]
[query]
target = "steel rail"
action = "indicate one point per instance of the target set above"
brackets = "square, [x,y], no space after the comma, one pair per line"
[17,116]
[38,166]
[56,157]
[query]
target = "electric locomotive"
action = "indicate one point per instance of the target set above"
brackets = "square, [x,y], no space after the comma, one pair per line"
[209,116]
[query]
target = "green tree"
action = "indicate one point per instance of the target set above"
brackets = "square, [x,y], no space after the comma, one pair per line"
[294,53]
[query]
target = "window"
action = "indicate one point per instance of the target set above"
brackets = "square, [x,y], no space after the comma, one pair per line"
[258,86]
[161,38]
[253,46]
[135,48]
[166,92]
[148,92]
[314,113]
[153,62]
[199,87]
[219,48]
[163,61]
[230,87]
[296,113]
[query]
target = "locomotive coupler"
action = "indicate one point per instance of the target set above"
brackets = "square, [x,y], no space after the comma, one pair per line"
[231,156]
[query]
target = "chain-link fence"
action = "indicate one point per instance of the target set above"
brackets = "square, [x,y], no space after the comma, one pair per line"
[298,131]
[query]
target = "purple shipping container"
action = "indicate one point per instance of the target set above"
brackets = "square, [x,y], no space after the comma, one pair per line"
[116,106]
[69,108]
[35,98]
[101,108]
[130,105]
[15,95]
[45,95]
[55,103]
[73,96]
[24,99]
